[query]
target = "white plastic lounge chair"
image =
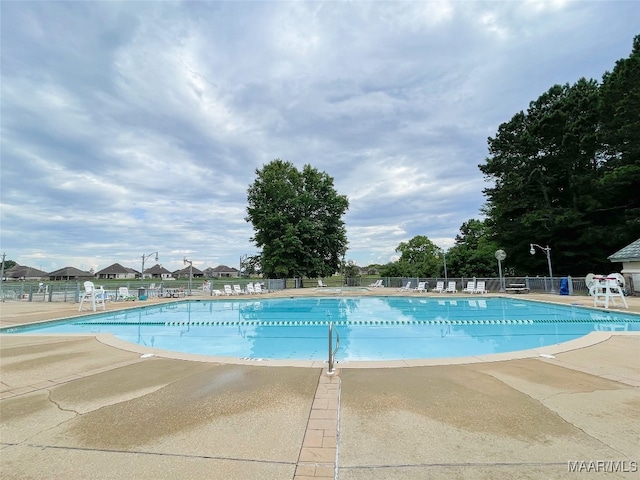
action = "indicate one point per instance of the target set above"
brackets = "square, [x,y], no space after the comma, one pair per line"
[123,294]
[406,288]
[421,287]
[451,288]
[439,288]
[471,287]
[228,290]
[321,284]
[480,287]
[250,289]
[237,290]
[258,288]
[95,296]
[376,284]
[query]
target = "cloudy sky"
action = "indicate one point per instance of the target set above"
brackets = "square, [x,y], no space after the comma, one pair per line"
[135,127]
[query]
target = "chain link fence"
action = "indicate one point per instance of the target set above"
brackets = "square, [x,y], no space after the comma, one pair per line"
[70,291]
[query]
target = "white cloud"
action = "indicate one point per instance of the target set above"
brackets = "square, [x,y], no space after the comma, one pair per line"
[134,127]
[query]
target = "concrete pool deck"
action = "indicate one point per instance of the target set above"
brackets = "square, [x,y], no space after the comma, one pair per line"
[74,407]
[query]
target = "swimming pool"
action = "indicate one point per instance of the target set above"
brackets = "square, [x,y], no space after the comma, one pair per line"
[370,328]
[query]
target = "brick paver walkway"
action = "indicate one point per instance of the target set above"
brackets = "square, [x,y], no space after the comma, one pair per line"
[319,448]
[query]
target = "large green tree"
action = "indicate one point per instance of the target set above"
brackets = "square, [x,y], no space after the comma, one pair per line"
[297,221]
[419,257]
[474,251]
[565,173]
[618,198]
[543,164]
[9,264]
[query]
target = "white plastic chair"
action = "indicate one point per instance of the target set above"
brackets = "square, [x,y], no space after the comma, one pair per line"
[123,294]
[94,295]
[480,288]
[471,287]
[421,287]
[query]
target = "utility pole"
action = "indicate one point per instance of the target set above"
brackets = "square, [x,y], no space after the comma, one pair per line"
[2,277]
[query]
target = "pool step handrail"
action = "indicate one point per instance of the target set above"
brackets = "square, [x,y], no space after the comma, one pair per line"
[332,351]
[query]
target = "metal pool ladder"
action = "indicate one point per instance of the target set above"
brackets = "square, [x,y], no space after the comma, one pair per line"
[332,351]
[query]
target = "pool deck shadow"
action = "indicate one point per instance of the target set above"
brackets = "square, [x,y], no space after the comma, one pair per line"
[74,407]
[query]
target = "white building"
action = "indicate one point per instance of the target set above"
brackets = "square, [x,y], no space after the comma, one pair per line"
[629,256]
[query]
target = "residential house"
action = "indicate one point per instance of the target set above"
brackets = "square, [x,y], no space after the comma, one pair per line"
[629,256]
[70,273]
[222,271]
[116,271]
[184,273]
[20,272]
[158,271]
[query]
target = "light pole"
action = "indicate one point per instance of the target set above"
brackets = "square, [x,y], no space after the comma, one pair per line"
[190,272]
[500,256]
[2,277]
[444,259]
[546,250]
[243,265]
[144,258]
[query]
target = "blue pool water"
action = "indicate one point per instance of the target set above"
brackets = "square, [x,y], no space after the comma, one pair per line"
[370,328]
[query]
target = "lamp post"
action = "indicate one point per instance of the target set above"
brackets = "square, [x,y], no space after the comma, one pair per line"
[500,256]
[444,259]
[144,258]
[190,272]
[243,265]
[546,250]
[2,278]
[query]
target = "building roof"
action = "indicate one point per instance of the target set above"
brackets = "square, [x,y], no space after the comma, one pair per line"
[70,272]
[224,268]
[185,271]
[21,271]
[114,269]
[627,254]
[157,269]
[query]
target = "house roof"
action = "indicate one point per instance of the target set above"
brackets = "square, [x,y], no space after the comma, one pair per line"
[629,253]
[224,268]
[185,271]
[116,268]
[70,272]
[156,269]
[21,271]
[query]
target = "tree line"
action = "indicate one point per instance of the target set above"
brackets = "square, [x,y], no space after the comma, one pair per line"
[565,174]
